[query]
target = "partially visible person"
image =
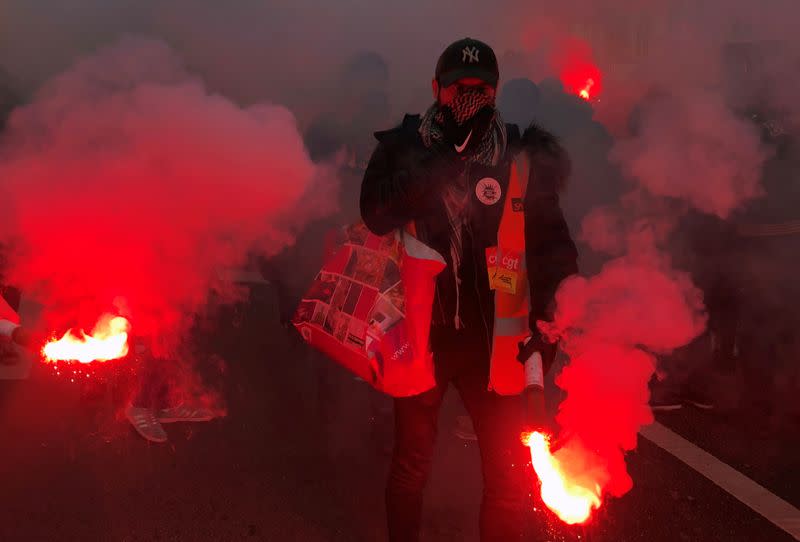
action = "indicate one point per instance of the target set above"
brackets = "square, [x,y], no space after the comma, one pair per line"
[519,101]
[362,106]
[563,112]
[9,327]
[342,137]
[594,179]
[158,397]
[10,301]
[11,295]
[767,268]
[747,270]
[704,246]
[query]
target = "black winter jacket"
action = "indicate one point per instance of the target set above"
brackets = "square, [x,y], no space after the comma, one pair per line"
[403,183]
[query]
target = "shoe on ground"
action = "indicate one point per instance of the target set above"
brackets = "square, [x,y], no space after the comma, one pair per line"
[146,424]
[184,413]
[700,400]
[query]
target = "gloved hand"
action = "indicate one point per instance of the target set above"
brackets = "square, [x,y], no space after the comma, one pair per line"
[532,344]
[464,140]
[537,343]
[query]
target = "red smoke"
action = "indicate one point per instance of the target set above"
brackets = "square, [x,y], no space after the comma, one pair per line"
[686,150]
[129,185]
[575,65]
[611,325]
[688,145]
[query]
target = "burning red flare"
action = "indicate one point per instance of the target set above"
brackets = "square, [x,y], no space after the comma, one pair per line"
[577,70]
[571,501]
[108,340]
[586,91]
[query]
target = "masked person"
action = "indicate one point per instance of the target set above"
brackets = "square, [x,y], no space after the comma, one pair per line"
[455,173]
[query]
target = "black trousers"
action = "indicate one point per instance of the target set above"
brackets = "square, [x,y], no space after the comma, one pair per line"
[498,423]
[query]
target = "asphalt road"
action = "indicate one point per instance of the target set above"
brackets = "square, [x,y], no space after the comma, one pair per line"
[295,460]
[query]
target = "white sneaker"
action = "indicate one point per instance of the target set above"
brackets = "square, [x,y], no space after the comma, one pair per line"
[146,424]
[184,413]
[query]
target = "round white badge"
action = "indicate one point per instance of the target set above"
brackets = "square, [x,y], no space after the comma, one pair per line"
[488,191]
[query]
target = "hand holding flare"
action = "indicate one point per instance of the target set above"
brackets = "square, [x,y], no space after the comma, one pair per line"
[570,501]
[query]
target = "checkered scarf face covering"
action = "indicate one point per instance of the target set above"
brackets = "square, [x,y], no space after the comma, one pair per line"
[465,106]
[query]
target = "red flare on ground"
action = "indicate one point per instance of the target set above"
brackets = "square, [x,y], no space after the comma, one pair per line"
[571,500]
[108,340]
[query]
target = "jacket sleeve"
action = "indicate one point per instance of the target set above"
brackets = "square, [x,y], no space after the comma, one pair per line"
[400,183]
[550,252]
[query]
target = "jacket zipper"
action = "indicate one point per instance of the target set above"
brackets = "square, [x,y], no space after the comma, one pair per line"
[468,172]
[480,304]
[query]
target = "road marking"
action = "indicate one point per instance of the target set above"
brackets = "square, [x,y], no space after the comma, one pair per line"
[758,498]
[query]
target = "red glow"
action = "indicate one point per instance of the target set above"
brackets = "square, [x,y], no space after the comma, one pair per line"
[571,500]
[586,91]
[577,70]
[634,300]
[108,340]
[147,221]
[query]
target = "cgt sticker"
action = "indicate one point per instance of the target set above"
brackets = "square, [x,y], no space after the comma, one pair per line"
[504,269]
[488,191]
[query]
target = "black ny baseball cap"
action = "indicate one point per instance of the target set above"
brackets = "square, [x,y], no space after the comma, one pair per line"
[467,58]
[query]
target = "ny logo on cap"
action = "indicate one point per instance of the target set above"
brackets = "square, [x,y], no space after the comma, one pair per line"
[469,54]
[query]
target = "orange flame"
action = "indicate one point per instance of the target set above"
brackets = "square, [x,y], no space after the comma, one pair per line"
[108,340]
[571,502]
[586,90]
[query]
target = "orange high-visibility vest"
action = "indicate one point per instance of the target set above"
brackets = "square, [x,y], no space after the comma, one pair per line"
[509,278]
